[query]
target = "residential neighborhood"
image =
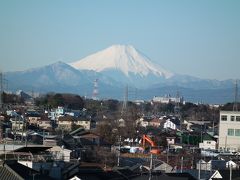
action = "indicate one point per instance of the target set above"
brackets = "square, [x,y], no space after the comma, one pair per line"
[55,141]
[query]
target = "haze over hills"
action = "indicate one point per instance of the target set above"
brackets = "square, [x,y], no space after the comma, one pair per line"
[58,77]
[116,67]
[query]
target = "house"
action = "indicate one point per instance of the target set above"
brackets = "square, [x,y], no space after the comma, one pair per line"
[188,125]
[65,123]
[208,144]
[169,124]
[85,123]
[154,122]
[35,138]
[45,124]
[56,113]
[143,122]
[163,167]
[231,164]
[17,123]
[60,111]
[170,140]
[194,138]
[50,140]
[84,143]
[225,174]
[121,122]
[16,171]
[211,165]
[32,117]
[60,153]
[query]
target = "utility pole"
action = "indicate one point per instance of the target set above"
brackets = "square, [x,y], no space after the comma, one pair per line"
[230,175]
[26,131]
[167,151]
[119,153]
[150,168]
[181,164]
[199,169]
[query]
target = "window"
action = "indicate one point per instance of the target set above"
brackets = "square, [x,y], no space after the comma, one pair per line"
[230,132]
[237,118]
[224,118]
[237,132]
[232,118]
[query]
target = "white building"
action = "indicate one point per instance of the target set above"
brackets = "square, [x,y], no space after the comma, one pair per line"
[208,144]
[142,122]
[169,124]
[167,99]
[232,164]
[229,131]
[85,123]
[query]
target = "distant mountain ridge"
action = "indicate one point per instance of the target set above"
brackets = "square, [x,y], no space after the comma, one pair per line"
[116,67]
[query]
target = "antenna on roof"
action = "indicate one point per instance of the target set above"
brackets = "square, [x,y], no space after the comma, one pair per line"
[235,105]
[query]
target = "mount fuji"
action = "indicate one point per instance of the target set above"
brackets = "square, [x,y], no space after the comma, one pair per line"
[125,64]
[116,67]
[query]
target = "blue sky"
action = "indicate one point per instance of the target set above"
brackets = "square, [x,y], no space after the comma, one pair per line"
[199,38]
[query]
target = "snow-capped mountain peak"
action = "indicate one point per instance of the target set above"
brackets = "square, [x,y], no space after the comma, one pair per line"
[124,58]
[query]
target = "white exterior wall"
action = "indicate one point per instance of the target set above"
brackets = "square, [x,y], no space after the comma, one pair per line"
[170,140]
[84,124]
[164,100]
[167,100]
[144,123]
[207,144]
[17,125]
[169,124]
[45,124]
[226,141]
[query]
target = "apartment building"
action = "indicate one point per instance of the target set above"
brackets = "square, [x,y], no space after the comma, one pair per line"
[229,131]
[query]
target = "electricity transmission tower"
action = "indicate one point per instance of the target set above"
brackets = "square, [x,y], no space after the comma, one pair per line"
[235,105]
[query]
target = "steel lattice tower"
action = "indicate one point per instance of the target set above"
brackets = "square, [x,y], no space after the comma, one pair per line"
[1,90]
[95,90]
[235,105]
[125,101]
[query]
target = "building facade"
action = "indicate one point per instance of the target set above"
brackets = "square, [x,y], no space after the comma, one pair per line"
[229,131]
[167,99]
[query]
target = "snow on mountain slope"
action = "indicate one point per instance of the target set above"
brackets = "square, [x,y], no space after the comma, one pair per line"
[125,59]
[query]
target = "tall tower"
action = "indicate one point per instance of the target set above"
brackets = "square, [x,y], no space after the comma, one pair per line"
[177,105]
[235,105]
[125,101]
[95,90]
[1,90]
